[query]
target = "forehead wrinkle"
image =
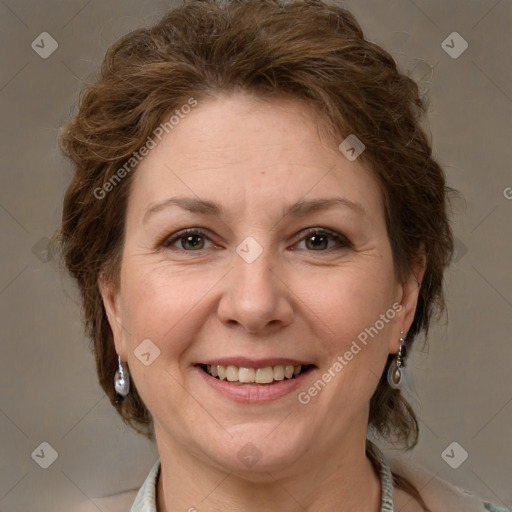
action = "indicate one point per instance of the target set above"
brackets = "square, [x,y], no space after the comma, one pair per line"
[299,209]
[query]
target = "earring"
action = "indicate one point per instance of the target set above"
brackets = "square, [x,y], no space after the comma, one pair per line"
[395,372]
[121,381]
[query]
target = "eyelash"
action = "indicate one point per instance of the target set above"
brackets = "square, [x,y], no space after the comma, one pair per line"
[338,238]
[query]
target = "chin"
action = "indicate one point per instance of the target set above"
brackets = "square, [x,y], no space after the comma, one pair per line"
[252,453]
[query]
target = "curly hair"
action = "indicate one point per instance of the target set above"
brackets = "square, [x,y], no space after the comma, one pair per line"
[306,50]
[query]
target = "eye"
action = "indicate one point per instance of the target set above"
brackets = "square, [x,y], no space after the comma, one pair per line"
[188,240]
[316,239]
[320,240]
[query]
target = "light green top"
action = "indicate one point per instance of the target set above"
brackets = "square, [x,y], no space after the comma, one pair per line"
[146,497]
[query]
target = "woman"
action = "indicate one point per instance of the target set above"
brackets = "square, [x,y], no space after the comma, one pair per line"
[258,230]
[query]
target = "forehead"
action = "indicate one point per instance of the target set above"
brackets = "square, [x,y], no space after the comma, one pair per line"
[237,149]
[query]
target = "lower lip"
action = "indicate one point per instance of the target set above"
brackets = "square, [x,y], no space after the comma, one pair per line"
[254,393]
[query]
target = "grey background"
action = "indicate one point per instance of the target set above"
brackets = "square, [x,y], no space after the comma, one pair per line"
[48,391]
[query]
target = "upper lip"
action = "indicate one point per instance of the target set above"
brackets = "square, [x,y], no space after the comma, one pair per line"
[245,362]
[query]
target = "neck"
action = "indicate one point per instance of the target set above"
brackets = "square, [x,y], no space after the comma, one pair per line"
[341,483]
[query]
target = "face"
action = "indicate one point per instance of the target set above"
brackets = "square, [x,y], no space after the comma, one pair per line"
[255,245]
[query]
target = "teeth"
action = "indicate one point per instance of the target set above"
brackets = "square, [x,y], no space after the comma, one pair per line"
[279,372]
[264,375]
[246,374]
[250,375]
[232,373]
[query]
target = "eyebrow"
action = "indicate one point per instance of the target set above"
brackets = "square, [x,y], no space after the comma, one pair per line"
[301,208]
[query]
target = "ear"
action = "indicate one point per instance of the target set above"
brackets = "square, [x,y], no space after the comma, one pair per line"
[111,301]
[406,294]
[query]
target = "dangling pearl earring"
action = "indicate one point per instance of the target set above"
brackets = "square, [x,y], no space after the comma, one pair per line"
[121,381]
[395,372]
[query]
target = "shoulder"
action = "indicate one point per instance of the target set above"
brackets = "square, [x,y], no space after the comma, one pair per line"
[438,494]
[493,508]
[404,502]
[117,502]
[134,500]
[145,501]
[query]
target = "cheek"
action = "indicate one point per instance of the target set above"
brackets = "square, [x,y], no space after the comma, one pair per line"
[356,315]
[352,299]
[161,307]
[165,305]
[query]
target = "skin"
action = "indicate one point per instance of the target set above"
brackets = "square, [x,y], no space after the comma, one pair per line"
[255,159]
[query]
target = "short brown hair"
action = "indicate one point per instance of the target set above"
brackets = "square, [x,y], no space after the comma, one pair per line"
[306,50]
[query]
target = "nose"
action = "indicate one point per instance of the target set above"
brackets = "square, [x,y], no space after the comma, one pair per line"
[255,296]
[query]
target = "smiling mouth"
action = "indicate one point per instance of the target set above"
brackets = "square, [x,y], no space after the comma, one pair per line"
[264,376]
